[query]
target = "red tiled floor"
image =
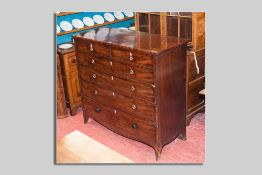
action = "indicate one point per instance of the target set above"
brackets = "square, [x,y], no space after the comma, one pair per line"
[190,151]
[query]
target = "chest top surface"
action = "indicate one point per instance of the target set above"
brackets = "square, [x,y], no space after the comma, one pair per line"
[153,43]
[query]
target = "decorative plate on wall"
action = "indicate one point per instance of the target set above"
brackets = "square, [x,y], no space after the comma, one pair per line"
[132,28]
[129,14]
[66,26]
[58,29]
[98,19]
[77,23]
[88,21]
[65,46]
[109,17]
[119,15]
[123,28]
[90,34]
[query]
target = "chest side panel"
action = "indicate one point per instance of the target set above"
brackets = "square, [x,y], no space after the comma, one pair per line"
[171,94]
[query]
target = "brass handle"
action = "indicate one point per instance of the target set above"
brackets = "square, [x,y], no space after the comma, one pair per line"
[131,57]
[98,109]
[94,76]
[93,61]
[74,60]
[133,106]
[133,88]
[91,48]
[95,92]
[134,125]
[132,72]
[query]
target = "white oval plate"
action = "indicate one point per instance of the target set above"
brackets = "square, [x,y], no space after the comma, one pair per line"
[77,23]
[123,28]
[129,14]
[66,26]
[109,17]
[58,29]
[98,19]
[90,34]
[132,28]
[65,46]
[119,15]
[88,21]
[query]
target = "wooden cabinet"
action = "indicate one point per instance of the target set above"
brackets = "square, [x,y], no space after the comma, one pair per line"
[134,84]
[189,25]
[61,111]
[70,79]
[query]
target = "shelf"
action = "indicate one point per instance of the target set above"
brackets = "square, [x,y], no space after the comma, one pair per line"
[66,13]
[91,27]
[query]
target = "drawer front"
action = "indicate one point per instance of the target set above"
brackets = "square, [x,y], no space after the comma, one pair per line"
[120,122]
[194,98]
[193,74]
[92,47]
[144,110]
[130,57]
[131,72]
[100,64]
[130,88]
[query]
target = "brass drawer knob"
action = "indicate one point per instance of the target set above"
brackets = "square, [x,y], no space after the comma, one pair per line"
[94,76]
[91,48]
[93,61]
[131,58]
[98,109]
[134,125]
[115,111]
[133,106]
[133,88]
[132,72]
[74,60]
[95,92]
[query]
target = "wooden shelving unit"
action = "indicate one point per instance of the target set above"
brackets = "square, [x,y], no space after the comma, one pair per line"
[94,26]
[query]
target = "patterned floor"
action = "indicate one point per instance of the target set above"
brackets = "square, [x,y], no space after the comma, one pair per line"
[190,151]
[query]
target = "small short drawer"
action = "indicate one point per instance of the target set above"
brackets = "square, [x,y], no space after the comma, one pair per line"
[132,72]
[100,64]
[130,57]
[92,47]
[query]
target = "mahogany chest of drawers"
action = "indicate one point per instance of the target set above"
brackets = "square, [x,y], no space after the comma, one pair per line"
[134,84]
